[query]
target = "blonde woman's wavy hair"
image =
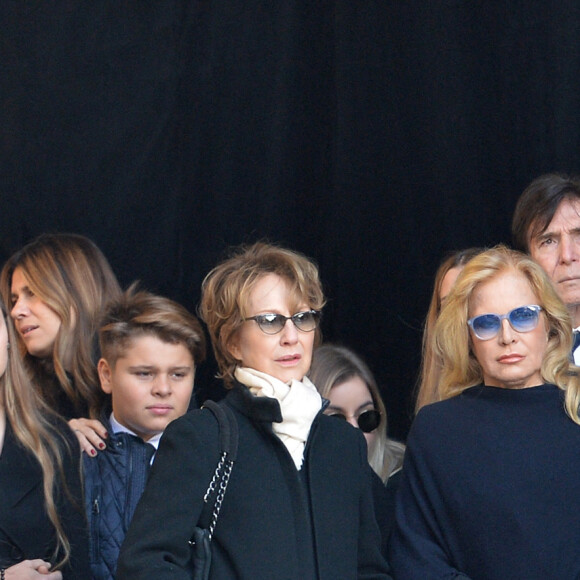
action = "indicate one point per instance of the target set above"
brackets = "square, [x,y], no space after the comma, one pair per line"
[226,293]
[29,416]
[333,365]
[428,384]
[460,368]
[71,275]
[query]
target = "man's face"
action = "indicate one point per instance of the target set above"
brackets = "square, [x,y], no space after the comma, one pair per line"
[557,250]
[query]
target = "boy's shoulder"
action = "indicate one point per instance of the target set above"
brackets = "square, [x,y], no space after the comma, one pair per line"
[121,449]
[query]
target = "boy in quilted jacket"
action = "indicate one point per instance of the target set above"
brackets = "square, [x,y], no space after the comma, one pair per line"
[150,347]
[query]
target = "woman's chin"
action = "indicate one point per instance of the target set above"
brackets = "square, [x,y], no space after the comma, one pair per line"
[289,376]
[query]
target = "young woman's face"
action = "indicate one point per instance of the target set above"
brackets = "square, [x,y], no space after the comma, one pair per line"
[350,399]
[36,323]
[511,359]
[286,355]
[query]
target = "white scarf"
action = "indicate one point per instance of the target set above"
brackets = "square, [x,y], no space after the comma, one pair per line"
[299,404]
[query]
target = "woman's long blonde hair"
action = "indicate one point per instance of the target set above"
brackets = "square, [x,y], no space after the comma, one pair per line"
[333,365]
[71,275]
[461,369]
[27,414]
[428,384]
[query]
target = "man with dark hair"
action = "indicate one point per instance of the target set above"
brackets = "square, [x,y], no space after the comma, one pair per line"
[546,224]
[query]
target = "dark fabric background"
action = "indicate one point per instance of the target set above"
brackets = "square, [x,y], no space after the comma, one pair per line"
[373,136]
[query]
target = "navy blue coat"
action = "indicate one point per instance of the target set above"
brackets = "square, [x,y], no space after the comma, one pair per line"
[276,523]
[114,482]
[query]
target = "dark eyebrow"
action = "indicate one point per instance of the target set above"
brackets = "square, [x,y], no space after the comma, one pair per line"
[546,235]
[156,368]
[337,408]
[549,234]
[24,290]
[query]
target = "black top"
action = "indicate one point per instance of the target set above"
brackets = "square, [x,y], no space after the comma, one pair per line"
[25,530]
[490,489]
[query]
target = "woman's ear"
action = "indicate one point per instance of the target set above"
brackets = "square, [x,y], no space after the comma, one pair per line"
[234,347]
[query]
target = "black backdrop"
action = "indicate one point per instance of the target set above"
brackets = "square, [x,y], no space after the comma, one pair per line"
[373,136]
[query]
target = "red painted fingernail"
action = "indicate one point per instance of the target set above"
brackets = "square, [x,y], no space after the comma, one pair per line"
[101,445]
[93,452]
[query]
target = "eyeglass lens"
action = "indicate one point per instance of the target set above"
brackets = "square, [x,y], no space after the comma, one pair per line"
[305,321]
[521,319]
[367,421]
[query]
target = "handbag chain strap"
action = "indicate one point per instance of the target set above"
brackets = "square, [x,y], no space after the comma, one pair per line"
[228,434]
[220,480]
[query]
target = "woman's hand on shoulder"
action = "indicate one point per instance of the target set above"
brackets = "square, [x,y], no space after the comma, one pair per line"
[32,570]
[90,433]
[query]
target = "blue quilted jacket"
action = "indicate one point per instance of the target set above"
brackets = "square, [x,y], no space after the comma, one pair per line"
[114,482]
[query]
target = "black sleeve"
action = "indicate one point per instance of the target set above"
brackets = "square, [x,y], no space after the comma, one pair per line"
[371,561]
[156,545]
[70,506]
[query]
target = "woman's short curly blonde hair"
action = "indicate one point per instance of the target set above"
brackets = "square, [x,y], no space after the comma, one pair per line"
[226,291]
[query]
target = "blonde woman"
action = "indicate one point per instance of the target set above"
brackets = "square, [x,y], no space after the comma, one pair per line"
[343,378]
[490,476]
[42,525]
[428,387]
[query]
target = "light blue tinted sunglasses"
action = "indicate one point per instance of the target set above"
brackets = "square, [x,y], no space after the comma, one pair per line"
[521,319]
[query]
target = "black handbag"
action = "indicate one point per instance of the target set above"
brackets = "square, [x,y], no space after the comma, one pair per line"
[201,538]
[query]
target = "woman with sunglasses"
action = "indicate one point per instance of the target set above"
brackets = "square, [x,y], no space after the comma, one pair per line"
[490,476]
[345,380]
[299,501]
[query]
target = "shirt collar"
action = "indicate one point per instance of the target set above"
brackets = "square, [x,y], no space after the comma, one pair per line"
[118,428]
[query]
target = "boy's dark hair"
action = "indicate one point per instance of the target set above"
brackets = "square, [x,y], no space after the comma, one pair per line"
[139,313]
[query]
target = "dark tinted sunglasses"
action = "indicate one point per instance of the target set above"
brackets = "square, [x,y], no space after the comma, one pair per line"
[367,421]
[305,321]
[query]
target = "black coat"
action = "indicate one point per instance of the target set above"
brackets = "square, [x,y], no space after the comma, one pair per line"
[25,530]
[276,522]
